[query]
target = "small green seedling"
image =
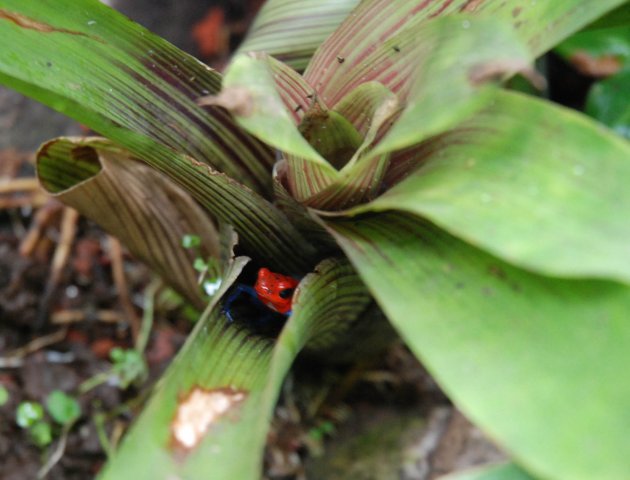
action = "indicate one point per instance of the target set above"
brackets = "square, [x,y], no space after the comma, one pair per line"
[129,366]
[209,270]
[41,434]
[191,241]
[30,416]
[29,413]
[64,409]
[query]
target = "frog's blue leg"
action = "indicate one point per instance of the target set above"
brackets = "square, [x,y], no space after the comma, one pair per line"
[236,293]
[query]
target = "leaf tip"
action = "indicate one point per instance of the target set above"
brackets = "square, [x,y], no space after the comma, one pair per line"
[237,100]
[495,70]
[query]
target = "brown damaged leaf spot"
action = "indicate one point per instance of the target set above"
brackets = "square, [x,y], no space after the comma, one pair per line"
[199,411]
[496,70]
[237,100]
[30,24]
[602,66]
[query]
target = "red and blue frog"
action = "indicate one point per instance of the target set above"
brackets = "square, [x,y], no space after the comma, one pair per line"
[273,290]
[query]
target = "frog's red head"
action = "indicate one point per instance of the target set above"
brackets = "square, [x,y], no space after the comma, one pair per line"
[275,290]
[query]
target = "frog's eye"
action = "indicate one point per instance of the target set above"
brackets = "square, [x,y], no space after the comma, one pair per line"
[286,293]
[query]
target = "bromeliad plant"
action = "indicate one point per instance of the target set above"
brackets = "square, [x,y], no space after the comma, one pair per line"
[490,227]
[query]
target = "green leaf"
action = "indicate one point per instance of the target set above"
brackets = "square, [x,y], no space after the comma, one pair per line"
[63,409]
[540,186]
[513,350]
[291,30]
[298,214]
[191,241]
[249,92]
[607,102]
[41,434]
[420,65]
[342,56]
[28,413]
[371,108]
[96,66]
[538,24]
[269,100]
[128,366]
[493,472]
[229,363]
[458,60]
[616,18]
[96,192]
[361,105]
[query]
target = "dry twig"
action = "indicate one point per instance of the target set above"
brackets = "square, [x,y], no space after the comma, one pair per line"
[118,272]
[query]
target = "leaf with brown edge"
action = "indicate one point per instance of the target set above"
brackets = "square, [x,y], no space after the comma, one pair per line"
[133,202]
[229,379]
[263,230]
[140,90]
[291,30]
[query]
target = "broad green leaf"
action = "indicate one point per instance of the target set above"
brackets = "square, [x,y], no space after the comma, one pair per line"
[539,24]
[542,25]
[514,351]
[248,370]
[133,202]
[291,30]
[457,60]
[342,56]
[141,92]
[99,68]
[423,56]
[493,472]
[540,186]
[618,17]
[607,102]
